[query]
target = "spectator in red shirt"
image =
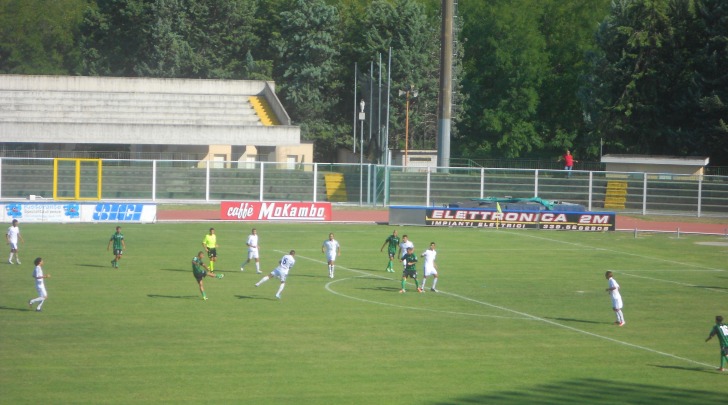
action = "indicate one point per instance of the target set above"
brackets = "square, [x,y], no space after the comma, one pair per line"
[569,161]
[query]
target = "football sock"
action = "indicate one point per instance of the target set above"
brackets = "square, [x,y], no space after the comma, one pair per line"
[403,283]
[10,258]
[257,266]
[39,299]
[262,280]
[417,284]
[434,283]
[280,289]
[389,266]
[203,294]
[212,265]
[424,281]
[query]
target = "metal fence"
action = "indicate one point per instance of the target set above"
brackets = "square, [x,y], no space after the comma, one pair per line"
[366,185]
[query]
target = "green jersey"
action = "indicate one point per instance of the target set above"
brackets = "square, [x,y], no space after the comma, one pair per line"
[197,266]
[411,260]
[720,330]
[117,238]
[393,243]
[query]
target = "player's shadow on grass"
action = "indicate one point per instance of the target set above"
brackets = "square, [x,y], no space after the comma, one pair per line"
[698,369]
[180,270]
[572,320]
[710,287]
[179,297]
[592,391]
[95,265]
[15,309]
[255,297]
[382,288]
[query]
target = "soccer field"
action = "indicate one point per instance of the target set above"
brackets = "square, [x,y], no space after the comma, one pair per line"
[521,317]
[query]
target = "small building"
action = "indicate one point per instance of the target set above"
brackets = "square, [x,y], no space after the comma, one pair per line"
[692,165]
[417,159]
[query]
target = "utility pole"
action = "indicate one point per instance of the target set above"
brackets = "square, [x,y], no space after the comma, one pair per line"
[445,100]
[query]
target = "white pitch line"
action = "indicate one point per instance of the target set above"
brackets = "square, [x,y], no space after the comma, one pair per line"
[675,282]
[547,321]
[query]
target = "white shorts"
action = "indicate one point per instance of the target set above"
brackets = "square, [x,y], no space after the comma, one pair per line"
[617,303]
[13,246]
[331,256]
[253,253]
[41,290]
[280,274]
[429,271]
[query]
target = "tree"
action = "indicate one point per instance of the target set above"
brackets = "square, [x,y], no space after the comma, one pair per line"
[169,38]
[568,28]
[308,79]
[712,120]
[658,85]
[37,37]
[413,35]
[505,65]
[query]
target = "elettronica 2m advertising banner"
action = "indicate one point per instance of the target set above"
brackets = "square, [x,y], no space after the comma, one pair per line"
[275,211]
[555,220]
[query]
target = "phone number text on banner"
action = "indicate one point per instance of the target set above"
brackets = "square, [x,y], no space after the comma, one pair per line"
[275,211]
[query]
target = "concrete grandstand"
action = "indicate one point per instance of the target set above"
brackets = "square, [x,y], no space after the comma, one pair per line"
[228,122]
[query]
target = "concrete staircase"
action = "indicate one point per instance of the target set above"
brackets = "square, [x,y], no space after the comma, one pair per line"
[127,108]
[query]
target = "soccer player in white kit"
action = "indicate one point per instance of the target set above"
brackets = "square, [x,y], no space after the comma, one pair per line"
[280,272]
[613,290]
[39,285]
[430,267]
[252,251]
[404,245]
[332,249]
[12,236]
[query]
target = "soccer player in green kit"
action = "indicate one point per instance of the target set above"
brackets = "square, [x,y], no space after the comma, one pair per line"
[409,260]
[393,241]
[200,271]
[721,330]
[119,245]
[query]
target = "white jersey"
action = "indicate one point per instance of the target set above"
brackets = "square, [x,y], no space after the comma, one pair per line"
[252,242]
[616,296]
[12,234]
[403,247]
[331,247]
[38,276]
[429,266]
[286,263]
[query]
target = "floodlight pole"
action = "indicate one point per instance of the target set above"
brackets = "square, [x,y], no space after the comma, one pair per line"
[362,116]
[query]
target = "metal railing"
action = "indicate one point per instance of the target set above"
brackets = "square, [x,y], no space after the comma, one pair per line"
[369,185]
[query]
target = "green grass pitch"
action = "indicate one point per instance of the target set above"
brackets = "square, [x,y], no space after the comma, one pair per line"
[522,317]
